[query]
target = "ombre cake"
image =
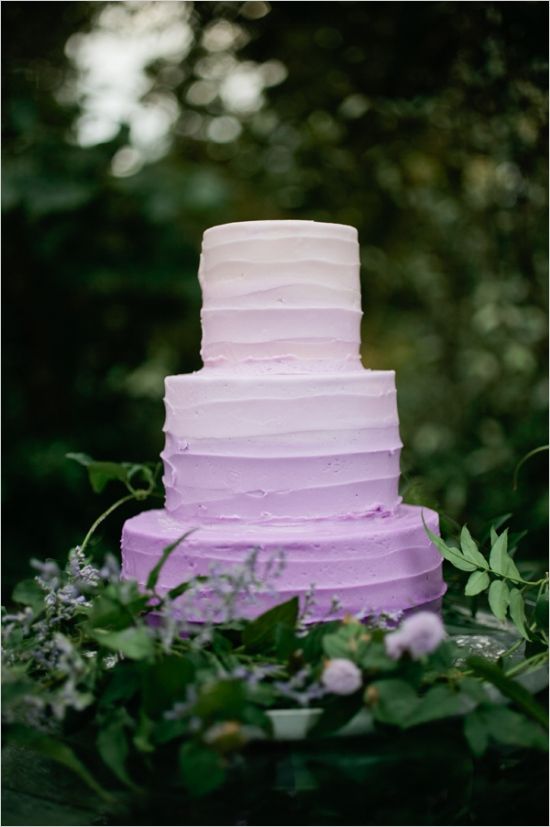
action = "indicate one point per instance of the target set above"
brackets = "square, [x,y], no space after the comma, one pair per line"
[283,442]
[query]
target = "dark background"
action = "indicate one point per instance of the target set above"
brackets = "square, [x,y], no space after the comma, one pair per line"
[423,124]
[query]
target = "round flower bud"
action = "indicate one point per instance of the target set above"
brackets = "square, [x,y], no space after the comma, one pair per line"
[418,635]
[341,676]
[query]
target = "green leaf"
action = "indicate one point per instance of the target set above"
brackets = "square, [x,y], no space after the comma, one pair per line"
[168,730]
[517,612]
[470,549]
[286,641]
[541,610]
[438,702]
[499,597]
[201,768]
[478,581]
[29,593]
[509,727]
[128,594]
[512,689]
[312,643]
[396,701]
[224,699]
[476,732]
[453,555]
[108,613]
[144,733]
[346,642]
[180,589]
[112,745]
[442,658]
[100,473]
[499,558]
[133,643]
[16,685]
[56,751]
[374,658]
[337,711]
[123,683]
[154,574]
[512,570]
[165,682]
[256,717]
[474,689]
[260,634]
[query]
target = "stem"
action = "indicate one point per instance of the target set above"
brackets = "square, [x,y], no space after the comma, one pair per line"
[103,516]
[523,460]
[512,649]
[534,660]
[530,583]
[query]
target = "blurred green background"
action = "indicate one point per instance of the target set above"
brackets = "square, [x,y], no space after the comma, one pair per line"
[130,127]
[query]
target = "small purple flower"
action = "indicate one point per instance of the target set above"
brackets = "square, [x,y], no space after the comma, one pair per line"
[418,635]
[341,676]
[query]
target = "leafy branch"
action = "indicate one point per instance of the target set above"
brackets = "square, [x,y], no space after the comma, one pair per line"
[180,678]
[140,479]
[499,576]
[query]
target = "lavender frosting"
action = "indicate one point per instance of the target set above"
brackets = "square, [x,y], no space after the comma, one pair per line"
[283,441]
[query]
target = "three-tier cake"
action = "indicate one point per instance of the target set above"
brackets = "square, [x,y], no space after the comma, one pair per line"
[283,442]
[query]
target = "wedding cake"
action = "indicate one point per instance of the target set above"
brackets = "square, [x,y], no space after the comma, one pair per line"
[283,442]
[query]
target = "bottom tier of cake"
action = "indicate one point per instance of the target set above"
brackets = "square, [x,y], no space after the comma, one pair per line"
[364,566]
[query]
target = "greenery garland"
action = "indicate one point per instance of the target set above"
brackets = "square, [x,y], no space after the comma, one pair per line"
[84,664]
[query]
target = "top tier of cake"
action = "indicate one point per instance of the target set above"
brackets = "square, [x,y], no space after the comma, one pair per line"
[280,296]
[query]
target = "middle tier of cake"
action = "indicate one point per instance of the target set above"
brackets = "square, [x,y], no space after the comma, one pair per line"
[282,446]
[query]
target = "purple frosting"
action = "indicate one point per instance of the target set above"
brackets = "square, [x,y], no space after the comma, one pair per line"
[377,563]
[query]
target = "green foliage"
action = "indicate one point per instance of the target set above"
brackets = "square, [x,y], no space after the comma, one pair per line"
[261,633]
[499,598]
[503,726]
[193,698]
[135,644]
[56,751]
[28,593]
[477,582]
[508,687]
[201,768]
[112,744]
[100,473]
[154,574]
[500,577]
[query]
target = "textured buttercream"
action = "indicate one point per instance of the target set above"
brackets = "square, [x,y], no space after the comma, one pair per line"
[278,447]
[283,442]
[284,290]
[380,563]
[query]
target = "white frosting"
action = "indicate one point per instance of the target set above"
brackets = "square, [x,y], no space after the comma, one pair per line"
[280,290]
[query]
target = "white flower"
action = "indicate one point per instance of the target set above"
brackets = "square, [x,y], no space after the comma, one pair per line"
[341,676]
[418,635]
